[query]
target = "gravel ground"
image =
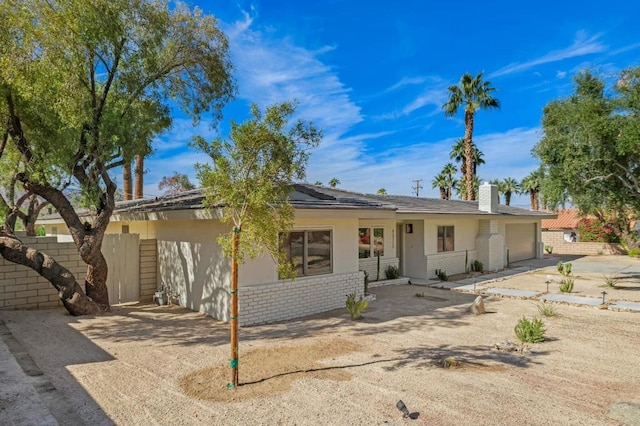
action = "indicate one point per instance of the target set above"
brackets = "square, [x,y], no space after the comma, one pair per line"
[166,365]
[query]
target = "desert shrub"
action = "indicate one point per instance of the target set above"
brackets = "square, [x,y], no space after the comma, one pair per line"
[442,275]
[634,252]
[420,294]
[392,272]
[41,232]
[564,268]
[530,331]
[548,249]
[566,285]
[547,309]
[477,266]
[355,307]
[610,281]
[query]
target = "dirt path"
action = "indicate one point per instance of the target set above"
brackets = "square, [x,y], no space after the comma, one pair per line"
[158,365]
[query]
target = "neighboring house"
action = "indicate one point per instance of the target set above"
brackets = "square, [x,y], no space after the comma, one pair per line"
[337,235]
[563,229]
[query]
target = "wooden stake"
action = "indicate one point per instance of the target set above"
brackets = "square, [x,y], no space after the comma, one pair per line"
[234,308]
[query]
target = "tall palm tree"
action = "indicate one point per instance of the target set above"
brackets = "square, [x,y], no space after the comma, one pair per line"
[498,183]
[449,170]
[457,154]
[334,182]
[461,188]
[509,186]
[440,181]
[531,185]
[474,94]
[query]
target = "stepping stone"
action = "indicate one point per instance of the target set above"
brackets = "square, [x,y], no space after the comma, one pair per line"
[512,293]
[577,300]
[626,306]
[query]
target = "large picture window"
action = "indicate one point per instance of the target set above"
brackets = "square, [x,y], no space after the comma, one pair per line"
[445,238]
[309,252]
[368,245]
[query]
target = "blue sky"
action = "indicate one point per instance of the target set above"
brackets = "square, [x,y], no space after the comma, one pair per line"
[373,75]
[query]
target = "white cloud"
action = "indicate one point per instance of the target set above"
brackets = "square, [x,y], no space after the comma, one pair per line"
[583,45]
[561,74]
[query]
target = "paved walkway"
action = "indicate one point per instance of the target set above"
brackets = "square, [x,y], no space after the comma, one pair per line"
[481,284]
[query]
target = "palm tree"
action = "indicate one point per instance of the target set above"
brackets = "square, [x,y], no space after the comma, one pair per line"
[509,186]
[139,181]
[475,94]
[318,183]
[334,182]
[127,186]
[498,183]
[461,188]
[382,191]
[531,185]
[440,181]
[449,170]
[457,154]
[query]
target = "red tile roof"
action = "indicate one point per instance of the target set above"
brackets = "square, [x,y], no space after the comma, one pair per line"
[567,219]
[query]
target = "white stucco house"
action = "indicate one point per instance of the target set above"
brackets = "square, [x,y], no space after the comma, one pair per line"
[337,235]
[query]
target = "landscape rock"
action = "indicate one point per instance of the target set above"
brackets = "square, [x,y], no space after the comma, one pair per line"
[477,307]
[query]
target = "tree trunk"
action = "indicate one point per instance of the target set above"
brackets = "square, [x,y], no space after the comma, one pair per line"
[536,206]
[468,153]
[69,291]
[96,281]
[532,199]
[126,182]
[139,176]
[443,193]
[507,198]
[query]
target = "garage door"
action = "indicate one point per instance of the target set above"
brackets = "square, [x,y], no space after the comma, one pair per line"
[521,241]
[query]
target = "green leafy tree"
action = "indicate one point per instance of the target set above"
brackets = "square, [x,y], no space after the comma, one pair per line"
[382,191]
[474,94]
[250,180]
[590,151]
[334,182]
[508,186]
[84,86]
[175,184]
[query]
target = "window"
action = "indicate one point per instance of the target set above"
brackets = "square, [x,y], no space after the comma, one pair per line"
[125,229]
[309,252]
[445,238]
[365,243]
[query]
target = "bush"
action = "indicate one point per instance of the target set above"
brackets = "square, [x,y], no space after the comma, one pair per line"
[564,268]
[530,331]
[610,281]
[592,230]
[566,285]
[442,275]
[548,249]
[634,252]
[547,310]
[392,272]
[355,307]
[477,266]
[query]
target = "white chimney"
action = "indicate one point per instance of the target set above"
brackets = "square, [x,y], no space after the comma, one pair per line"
[488,198]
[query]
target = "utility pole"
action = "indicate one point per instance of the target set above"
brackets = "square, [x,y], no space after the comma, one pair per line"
[418,187]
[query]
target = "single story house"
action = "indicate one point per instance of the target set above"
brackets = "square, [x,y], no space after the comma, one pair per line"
[337,236]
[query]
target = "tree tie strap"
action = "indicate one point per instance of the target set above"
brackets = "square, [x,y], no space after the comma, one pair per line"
[234,318]
[233,292]
[233,363]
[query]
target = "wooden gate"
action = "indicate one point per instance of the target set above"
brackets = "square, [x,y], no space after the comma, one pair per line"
[122,252]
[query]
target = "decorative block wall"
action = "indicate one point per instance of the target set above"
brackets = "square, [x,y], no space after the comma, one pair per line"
[285,300]
[371,266]
[555,239]
[452,262]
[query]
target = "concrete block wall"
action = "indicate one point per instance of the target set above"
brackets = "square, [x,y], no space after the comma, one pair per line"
[285,300]
[452,262]
[371,266]
[553,238]
[556,240]
[148,269]
[23,288]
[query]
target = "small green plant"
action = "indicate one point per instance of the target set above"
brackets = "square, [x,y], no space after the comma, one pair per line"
[420,294]
[564,268]
[530,331]
[548,249]
[392,272]
[634,252]
[610,281]
[477,266]
[442,275]
[547,309]
[366,282]
[355,307]
[566,285]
